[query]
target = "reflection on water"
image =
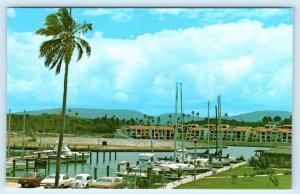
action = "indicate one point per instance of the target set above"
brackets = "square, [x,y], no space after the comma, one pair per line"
[73,169]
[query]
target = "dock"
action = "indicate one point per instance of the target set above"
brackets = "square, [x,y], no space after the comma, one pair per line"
[177,183]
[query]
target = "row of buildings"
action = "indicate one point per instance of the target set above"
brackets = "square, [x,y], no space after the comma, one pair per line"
[268,133]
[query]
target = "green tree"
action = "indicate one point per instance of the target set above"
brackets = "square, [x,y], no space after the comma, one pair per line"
[277,119]
[198,114]
[267,119]
[64,37]
[193,113]
[158,120]
[170,116]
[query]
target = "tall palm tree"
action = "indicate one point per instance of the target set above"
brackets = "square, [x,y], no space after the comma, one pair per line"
[64,37]
[193,113]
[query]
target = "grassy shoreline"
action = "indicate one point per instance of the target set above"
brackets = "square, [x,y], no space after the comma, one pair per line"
[223,180]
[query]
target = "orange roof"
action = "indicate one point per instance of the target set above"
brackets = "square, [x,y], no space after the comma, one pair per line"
[198,129]
[139,127]
[261,129]
[241,129]
[284,131]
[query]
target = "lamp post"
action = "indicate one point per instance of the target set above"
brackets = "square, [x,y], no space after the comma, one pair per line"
[195,142]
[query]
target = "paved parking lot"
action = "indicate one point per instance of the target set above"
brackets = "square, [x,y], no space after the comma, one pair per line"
[16,185]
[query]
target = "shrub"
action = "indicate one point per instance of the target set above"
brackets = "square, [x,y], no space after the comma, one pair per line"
[287,172]
[274,179]
[252,175]
[234,178]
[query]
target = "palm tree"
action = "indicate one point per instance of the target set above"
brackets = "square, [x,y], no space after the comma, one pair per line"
[170,116]
[197,114]
[193,113]
[145,117]
[64,33]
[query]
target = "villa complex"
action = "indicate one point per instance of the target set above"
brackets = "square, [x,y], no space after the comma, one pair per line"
[268,133]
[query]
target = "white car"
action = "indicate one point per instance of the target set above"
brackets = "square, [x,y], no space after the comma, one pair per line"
[82,181]
[64,181]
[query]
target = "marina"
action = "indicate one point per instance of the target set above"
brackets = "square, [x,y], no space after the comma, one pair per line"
[112,159]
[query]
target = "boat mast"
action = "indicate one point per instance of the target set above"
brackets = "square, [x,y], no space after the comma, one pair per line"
[208,132]
[150,120]
[217,134]
[220,123]
[8,138]
[176,125]
[181,117]
[23,138]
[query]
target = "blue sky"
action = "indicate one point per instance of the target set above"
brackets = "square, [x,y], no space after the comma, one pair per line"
[138,54]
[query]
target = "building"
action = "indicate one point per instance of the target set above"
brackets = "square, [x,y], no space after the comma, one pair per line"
[201,133]
[240,134]
[279,157]
[145,132]
[272,133]
[268,133]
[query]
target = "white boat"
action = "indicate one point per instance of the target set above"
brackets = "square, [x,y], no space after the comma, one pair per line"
[146,161]
[66,154]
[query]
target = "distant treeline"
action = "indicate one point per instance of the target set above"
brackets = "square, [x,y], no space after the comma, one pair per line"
[232,122]
[51,123]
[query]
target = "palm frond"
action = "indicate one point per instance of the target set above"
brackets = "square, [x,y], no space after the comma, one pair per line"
[83,28]
[63,30]
[85,45]
[80,50]
[48,46]
[58,67]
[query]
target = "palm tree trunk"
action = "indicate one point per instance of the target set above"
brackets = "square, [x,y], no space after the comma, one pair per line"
[61,135]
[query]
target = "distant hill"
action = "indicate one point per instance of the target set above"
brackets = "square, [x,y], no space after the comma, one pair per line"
[92,113]
[258,115]
[128,114]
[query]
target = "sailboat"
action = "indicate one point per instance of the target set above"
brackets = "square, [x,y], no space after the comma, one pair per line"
[66,154]
[183,161]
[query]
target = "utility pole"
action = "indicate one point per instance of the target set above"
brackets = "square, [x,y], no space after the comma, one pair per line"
[8,138]
[23,138]
[195,142]
[176,124]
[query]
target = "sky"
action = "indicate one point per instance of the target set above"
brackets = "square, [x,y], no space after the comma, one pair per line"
[138,54]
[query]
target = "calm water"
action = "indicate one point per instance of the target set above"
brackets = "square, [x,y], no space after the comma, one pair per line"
[73,169]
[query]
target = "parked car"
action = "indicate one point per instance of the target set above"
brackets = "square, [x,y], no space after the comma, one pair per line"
[31,179]
[82,181]
[108,183]
[64,181]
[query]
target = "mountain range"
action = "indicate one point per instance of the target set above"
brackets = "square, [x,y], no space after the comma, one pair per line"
[164,118]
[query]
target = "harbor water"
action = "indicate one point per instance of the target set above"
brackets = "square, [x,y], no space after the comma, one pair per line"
[108,160]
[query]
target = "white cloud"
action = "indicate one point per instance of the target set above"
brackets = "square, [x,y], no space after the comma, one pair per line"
[11,12]
[208,15]
[121,96]
[245,62]
[97,12]
[170,11]
[122,15]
